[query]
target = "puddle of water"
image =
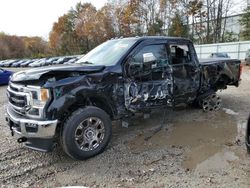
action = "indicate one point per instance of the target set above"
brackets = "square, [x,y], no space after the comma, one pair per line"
[217,162]
[140,144]
[204,137]
[201,134]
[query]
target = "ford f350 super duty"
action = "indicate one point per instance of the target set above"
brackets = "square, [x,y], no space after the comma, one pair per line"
[74,105]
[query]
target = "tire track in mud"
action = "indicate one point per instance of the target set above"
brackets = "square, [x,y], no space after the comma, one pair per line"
[11,154]
[21,165]
[14,162]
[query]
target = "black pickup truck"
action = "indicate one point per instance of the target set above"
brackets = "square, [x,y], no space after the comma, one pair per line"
[74,105]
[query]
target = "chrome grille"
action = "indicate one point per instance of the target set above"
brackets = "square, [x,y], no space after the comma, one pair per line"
[14,88]
[17,98]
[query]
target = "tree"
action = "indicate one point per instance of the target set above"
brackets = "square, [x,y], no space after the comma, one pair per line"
[245,22]
[11,47]
[178,28]
[216,14]
[230,36]
[156,28]
[128,19]
[63,39]
[35,47]
[195,11]
[105,23]
[84,27]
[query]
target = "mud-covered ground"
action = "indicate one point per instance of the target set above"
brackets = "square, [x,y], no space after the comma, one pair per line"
[193,149]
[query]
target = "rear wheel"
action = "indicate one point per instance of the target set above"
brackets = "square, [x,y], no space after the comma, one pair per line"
[86,133]
[211,103]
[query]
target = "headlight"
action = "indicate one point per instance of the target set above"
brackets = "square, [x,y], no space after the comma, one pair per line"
[44,95]
[36,98]
[40,97]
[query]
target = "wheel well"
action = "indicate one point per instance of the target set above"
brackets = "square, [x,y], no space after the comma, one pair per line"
[102,104]
[222,81]
[90,101]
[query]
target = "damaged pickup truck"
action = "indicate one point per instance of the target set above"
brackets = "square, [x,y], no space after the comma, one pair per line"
[74,105]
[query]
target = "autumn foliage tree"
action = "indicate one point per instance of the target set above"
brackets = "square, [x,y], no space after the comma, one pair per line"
[178,27]
[35,47]
[81,29]
[84,27]
[63,39]
[13,47]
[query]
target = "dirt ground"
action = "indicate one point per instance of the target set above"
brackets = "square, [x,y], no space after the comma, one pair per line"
[193,149]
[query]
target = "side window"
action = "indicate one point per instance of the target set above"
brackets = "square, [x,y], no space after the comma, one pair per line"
[159,51]
[180,54]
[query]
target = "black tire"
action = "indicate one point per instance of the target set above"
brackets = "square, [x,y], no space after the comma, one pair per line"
[247,135]
[70,145]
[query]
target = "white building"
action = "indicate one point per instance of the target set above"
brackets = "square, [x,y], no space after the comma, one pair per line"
[236,50]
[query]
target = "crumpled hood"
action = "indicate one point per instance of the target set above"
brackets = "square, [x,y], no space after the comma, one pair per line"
[37,73]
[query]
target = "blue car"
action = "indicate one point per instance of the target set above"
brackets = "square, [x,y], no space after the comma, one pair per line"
[4,76]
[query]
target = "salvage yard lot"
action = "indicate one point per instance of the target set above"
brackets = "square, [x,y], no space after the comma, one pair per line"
[193,149]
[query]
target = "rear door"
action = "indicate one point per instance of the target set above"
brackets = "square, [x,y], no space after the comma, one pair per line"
[186,72]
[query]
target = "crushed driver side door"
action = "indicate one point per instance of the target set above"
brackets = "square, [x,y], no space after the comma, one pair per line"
[148,82]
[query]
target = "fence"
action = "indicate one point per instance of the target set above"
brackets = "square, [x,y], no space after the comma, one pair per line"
[236,50]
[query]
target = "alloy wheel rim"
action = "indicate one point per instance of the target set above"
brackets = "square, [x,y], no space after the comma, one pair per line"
[212,103]
[89,134]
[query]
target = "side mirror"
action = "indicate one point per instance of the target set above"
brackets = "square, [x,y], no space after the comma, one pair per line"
[149,62]
[148,58]
[144,68]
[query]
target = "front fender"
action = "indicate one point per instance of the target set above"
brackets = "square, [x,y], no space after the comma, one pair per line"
[81,96]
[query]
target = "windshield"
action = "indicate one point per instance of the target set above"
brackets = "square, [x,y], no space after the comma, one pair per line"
[108,53]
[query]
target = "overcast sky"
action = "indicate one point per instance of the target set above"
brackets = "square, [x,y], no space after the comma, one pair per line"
[35,17]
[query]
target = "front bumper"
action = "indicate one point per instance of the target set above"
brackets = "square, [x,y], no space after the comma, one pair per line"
[38,135]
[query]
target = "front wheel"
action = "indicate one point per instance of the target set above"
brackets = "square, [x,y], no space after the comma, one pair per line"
[86,133]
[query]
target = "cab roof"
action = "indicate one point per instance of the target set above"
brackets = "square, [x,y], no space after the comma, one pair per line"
[168,38]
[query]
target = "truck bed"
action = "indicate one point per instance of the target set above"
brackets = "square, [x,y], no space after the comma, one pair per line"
[218,73]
